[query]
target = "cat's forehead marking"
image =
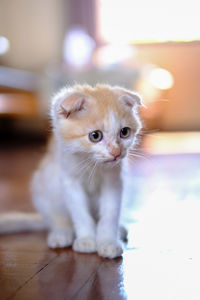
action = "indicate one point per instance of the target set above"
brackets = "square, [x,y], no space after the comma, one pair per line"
[103,96]
[112,122]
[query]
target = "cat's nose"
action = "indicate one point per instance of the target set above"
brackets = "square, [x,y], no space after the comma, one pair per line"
[115,153]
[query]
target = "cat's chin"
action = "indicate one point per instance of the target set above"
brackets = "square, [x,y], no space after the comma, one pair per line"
[112,161]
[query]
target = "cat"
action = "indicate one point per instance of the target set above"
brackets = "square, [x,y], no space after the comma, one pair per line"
[77,188]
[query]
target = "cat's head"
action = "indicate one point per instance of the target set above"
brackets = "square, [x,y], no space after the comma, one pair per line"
[101,121]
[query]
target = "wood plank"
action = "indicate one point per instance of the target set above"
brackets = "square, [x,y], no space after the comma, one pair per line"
[21,257]
[63,278]
[105,283]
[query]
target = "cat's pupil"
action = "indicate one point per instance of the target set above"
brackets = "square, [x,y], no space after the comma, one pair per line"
[124,131]
[95,135]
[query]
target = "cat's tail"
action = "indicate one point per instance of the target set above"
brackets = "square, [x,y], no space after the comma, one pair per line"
[14,222]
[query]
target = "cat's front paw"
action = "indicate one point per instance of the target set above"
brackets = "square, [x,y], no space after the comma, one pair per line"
[110,249]
[60,238]
[85,244]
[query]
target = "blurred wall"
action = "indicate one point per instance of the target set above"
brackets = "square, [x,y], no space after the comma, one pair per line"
[35,29]
[182,111]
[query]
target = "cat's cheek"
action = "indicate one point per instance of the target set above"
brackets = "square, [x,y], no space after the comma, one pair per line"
[129,142]
[96,150]
[85,144]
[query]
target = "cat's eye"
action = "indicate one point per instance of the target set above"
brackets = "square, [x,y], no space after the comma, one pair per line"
[95,136]
[125,132]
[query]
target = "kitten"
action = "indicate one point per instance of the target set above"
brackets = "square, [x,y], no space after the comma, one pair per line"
[78,186]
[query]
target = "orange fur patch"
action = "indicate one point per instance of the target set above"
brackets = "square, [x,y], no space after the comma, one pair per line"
[100,101]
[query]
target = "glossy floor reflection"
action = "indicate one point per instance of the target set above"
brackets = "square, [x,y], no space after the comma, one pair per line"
[161,205]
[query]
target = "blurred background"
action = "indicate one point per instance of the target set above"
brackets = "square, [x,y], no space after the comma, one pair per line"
[148,46]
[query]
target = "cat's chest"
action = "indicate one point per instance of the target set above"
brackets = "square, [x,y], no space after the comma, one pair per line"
[92,183]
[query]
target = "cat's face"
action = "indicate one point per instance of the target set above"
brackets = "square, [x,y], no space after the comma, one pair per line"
[100,121]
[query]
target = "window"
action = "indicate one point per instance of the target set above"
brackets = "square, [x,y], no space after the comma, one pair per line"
[130,21]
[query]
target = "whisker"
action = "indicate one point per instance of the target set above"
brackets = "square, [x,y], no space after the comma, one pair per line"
[116,163]
[133,154]
[79,167]
[147,132]
[81,162]
[92,172]
[137,154]
[85,169]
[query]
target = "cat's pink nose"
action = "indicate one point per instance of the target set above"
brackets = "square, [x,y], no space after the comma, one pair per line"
[115,153]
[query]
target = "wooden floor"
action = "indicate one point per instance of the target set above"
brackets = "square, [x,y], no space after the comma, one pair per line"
[162,257]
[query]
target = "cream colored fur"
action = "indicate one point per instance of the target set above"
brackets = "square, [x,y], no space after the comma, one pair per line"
[78,186]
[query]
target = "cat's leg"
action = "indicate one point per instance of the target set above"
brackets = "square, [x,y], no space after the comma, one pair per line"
[61,232]
[84,225]
[57,218]
[47,199]
[108,242]
[123,233]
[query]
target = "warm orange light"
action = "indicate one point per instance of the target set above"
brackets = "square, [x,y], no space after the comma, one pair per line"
[173,143]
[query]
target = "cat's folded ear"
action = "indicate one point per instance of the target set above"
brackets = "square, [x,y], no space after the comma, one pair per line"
[71,104]
[131,99]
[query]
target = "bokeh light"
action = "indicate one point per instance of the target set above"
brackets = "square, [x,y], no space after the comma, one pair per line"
[4,45]
[161,79]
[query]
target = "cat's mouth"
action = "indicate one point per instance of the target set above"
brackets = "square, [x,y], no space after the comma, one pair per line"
[112,160]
